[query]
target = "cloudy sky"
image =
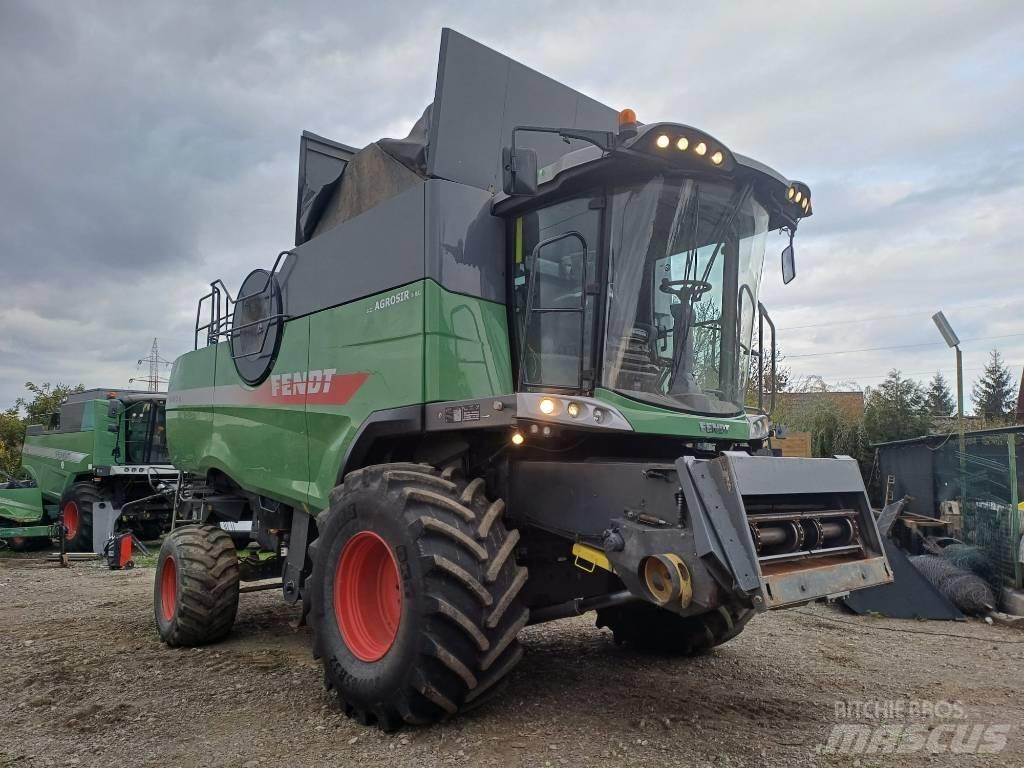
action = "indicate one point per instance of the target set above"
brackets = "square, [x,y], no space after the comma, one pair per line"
[148,147]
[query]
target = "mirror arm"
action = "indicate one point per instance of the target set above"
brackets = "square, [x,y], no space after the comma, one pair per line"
[603,140]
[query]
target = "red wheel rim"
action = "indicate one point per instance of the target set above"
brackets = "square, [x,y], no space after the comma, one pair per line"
[367,596]
[70,520]
[168,589]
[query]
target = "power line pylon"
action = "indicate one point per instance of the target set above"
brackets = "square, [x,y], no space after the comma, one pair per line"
[154,361]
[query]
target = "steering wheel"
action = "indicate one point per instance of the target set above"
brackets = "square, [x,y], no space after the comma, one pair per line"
[684,289]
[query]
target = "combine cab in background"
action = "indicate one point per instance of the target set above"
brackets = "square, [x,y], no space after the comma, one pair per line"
[99,462]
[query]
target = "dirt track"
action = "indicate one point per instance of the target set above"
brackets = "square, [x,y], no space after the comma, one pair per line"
[86,682]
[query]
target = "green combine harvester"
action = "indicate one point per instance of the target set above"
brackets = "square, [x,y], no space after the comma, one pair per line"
[499,380]
[100,461]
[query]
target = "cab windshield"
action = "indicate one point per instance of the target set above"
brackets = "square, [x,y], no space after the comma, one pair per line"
[684,268]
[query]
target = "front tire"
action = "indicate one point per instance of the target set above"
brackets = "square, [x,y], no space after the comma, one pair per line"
[195,597]
[150,530]
[414,594]
[26,544]
[76,510]
[649,629]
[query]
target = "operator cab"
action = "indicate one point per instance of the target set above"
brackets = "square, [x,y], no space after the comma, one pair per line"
[636,265]
[145,439]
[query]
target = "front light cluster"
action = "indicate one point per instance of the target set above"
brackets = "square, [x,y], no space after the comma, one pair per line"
[803,199]
[683,143]
[553,406]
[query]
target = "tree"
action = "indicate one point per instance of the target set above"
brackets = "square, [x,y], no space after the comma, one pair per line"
[780,383]
[896,409]
[938,397]
[12,431]
[994,394]
[46,399]
[43,400]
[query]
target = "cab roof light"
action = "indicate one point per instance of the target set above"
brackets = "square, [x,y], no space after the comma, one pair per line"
[799,195]
[627,123]
[694,144]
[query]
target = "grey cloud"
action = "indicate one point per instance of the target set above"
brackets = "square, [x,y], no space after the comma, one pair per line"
[150,147]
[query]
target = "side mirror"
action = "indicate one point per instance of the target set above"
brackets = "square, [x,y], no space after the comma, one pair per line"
[114,409]
[519,171]
[788,264]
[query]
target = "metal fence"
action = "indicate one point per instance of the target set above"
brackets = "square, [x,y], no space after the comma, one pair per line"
[986,478]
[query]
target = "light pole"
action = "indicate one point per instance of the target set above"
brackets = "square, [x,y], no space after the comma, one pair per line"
[954,341]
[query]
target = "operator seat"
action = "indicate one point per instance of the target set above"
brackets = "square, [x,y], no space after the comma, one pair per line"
[638,368]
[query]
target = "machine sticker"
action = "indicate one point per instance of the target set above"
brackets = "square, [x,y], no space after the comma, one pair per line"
[392,300]
[458,414]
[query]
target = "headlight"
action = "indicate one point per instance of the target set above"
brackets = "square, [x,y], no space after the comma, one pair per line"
[759,427]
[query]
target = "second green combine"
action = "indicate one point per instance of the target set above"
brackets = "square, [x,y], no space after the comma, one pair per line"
[98,465]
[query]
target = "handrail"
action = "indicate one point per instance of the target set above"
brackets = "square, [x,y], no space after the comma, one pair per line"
[221,316]
[764,317]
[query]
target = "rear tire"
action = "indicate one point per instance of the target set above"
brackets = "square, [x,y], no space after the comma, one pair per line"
[76,508]
[436,627]
[195,597]
[649,629]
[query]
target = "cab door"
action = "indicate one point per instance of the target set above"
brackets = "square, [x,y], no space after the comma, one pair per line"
[556,272]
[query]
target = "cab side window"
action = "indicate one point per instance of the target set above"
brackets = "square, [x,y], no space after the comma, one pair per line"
[553,313]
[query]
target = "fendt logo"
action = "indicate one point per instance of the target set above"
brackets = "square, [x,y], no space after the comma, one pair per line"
[301,383]
[309,388]
[713,429]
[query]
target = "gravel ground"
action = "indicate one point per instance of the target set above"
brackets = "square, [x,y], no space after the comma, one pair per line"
[86,682]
